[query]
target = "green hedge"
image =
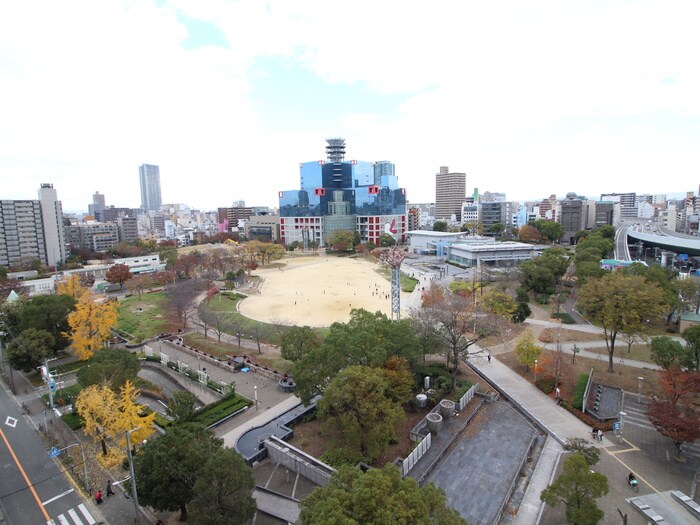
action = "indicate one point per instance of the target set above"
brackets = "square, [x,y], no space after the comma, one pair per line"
[565,318]
[73,421]
[577,401]
[220,409]
[546,384]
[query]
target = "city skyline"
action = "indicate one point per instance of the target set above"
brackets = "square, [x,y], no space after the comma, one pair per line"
[527,99]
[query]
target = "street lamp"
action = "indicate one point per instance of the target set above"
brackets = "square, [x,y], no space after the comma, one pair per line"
[639,396]
[255,390]
[131,470]
[536,361]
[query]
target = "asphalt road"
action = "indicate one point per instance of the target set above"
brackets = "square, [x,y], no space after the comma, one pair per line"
[33,488]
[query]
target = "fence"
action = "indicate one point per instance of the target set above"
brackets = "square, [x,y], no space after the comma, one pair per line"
[469,394]
[417,453]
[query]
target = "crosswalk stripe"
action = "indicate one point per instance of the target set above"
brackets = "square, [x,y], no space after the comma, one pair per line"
[76,518]
[63,520]
[86,513]
[51,522]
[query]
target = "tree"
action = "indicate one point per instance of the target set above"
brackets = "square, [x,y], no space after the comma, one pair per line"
[341,240]
[542,274]
[440,226]
[357,402]
[496,229]
[167,468]
[354,497]
[108,415]
[667,352]
[692,354]
[550,230]
[71,286]
[115,366]
[91,324]
[298,341]
[617,301]
[50,313]
[118,274]
[223,491]
[455,320]
[182,299]
[577,487]
[182,406]
[527,350]
[674,414]
[29,349]
[529,233]
[386,240]
[581,446]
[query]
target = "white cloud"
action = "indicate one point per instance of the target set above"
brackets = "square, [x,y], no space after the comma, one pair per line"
[528,98]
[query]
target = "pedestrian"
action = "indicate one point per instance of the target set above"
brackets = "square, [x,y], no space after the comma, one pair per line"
[557,393]
[594,433]
[98,497]
[108,489]
[600,435]
[489,358]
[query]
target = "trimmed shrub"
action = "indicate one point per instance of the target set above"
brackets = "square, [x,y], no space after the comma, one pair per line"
[546,384]
[565,318]
[577,401]
[73,421]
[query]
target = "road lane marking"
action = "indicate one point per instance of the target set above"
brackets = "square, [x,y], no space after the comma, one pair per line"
[75,517]
[24,475]
[11,422]
[86,513]
[57,497]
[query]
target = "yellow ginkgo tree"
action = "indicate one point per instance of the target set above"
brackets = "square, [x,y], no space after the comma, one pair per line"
[90,324]
[108,416]
[72,286]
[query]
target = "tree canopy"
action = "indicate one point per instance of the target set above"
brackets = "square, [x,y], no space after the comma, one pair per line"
[358,402]
[118,274]
[50,313]
[617,301]
[577,487]
[188,465]
[91,323]
[28,350]
[527,351]
[377,497]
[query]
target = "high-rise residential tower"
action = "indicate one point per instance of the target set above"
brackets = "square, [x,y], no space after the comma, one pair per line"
[149,177]
[450,193]
[52,217]
[98,204]
[32,230]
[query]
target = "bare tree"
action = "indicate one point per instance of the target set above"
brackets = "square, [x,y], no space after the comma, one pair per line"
[259,331]
[182,298]
[456,321]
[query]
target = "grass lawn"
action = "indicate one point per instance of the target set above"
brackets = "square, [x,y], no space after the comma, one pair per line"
[408,284]
[637,353]
[211,345]
[143,316]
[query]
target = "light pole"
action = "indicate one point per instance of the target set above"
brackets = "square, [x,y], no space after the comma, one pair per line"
[82,453]
[255,390]
[639,394]
[131,470]
[536,361]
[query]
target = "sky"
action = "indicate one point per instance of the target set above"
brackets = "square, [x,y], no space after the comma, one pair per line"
[228,97]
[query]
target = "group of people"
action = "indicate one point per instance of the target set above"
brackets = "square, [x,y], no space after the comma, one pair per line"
[597,434]
[108,490]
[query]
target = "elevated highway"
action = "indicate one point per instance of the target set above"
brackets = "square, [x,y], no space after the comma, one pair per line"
[627,235]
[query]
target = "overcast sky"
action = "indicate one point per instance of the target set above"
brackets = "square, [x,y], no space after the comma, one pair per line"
[528,98]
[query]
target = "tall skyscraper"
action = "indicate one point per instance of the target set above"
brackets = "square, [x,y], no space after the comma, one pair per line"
[149,176]
[450,193]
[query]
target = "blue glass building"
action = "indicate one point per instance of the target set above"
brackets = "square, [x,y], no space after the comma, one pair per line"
[343,195]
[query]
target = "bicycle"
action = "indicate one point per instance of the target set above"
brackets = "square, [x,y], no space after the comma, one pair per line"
[634,483]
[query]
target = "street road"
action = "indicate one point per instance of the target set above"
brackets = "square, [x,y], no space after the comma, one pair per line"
[33,488]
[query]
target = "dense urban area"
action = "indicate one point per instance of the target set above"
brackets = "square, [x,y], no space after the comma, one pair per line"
[351,357]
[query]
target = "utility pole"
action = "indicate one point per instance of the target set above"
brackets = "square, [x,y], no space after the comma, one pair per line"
[134,494]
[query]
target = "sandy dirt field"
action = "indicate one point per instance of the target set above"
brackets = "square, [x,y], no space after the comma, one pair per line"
[318,291]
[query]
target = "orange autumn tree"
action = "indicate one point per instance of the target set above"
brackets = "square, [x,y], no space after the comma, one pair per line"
[108,416]
[90,325]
